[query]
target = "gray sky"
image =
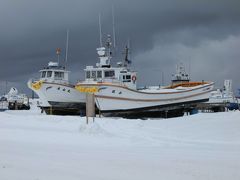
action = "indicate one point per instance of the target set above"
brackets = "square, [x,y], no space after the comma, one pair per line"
[204,35]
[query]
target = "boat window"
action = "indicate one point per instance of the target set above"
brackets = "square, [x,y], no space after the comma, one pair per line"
[87,74]
[109,74]
[59,75]
[99,74]
[126,78]
[43,74]
[49,74]
[93,74]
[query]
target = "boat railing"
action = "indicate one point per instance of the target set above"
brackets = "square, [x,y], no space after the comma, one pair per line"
[187,84]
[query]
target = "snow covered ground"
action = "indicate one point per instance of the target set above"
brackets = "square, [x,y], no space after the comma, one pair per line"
[35,146]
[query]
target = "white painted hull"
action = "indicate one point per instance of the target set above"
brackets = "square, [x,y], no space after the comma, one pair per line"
[119,98]
[59,96]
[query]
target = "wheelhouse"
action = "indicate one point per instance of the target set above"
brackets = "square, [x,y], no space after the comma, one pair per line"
[99,73]
[113,75]
[54,73]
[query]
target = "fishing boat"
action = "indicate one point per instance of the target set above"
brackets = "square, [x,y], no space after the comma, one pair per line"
[223,98]
[57,95]
[116,92]
[16,100]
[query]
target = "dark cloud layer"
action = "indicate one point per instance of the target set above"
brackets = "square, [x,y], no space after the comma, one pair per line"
[205,35]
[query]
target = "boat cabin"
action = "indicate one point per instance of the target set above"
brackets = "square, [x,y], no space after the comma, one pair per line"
[180,76]
[54,73]
[111,75]
[104,73]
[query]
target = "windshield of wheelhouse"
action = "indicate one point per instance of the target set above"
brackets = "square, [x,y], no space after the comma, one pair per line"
[95,74]
[43,74]
[58,75]
[46,74]
[49,74]
[109,74]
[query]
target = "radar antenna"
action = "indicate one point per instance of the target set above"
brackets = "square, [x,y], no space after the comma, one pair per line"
[126,58]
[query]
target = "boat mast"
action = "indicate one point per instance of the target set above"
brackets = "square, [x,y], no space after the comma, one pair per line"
[189,71]
[113,24]
[6,86]
[162,78]
[66,58]
[126,60]
[108,45]
[129,53]
[100,30]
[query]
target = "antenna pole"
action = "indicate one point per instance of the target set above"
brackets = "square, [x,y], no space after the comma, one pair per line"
[100,29]
[6,87]
[66,58]
[126,54]
[129,48]
[113,23]
[189,67]
[162,78]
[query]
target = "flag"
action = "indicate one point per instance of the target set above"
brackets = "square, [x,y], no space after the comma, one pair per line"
[58,51]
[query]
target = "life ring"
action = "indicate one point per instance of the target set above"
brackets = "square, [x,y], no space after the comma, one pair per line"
[134,78]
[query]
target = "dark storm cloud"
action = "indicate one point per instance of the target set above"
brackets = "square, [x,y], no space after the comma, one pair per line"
[162,33]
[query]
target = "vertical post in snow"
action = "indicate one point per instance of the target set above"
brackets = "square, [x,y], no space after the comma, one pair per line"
[90,106]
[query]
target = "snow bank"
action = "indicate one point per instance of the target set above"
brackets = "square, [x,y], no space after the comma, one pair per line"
[36,146]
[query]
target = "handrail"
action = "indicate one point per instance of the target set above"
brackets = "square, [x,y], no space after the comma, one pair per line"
[186,84]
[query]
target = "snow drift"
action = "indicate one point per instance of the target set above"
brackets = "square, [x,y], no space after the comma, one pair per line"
[36,146]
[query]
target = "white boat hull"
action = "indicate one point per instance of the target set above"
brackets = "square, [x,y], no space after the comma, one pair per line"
[60,98]
[116,98]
